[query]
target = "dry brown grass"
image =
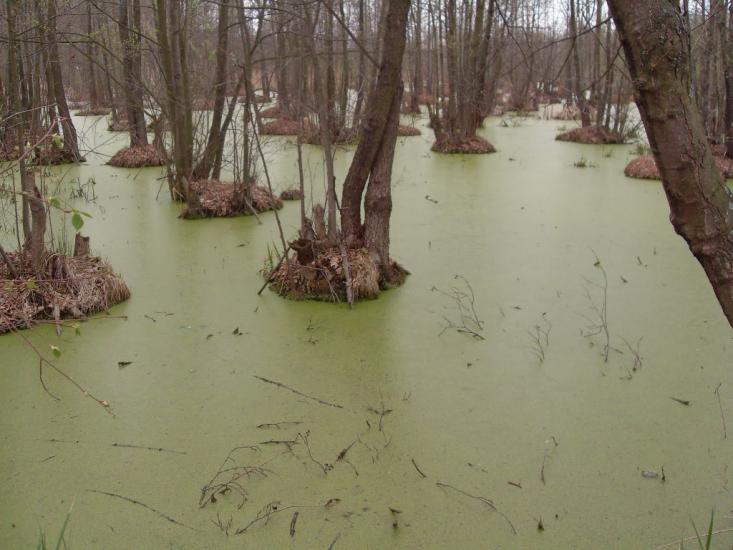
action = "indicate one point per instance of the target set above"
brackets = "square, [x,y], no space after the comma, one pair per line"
[407,131]
[645,167]
[222,199]
[592,135]
[138,157]
[457,145]
[70,288]
[292,194]
[93,111]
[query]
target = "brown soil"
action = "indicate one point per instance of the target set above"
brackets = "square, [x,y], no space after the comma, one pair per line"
[281,127]
[645,167]
[407,131]
[71,287]
[138,157]
[119,125]
[96,111]
[291,195]
[8,152]
[271,112]
[49,155]
[343,136]
[592,135]
[470,145]
[221,199]
[323,277]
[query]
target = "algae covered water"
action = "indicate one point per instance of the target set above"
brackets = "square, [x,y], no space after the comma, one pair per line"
[389,425]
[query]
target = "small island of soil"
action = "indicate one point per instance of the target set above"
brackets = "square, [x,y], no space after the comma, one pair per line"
[93,111]
[322,272]
[218,199]
[282,127]
[291,195]
[70,288]
[404,130]
[591,135]
[645,167]
[272,112]
[473,145]
[138,156]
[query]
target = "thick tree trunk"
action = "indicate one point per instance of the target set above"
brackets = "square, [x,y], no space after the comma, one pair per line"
[579,91]
[728,60]
[91,60]
[656,40]
[71,143]
[215,143]
[131,73]
[374,124]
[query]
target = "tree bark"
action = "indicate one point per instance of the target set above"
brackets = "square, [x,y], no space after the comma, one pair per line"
[374,124]
[656,40]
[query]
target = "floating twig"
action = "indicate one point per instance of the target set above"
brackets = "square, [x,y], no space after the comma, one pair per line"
[546,455]
[297,392]
[293,522]
[159,449]
[138,503]
[419,471]
[484,500]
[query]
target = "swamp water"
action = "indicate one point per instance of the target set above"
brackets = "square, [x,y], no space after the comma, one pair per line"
[521,226]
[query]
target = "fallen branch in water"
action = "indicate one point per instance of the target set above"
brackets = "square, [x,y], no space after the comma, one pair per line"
[266,512]
[137,502]
[159,449]
[419,471]
[546,455]
[485,500]
[43,361]
[297,392]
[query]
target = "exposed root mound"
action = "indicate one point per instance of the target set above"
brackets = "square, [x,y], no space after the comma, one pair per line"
[572,112]
[592,135]
[645,167]
[323,278]
[73,287]
[139,156]
[222,199]
[119,125]
[94,111]
[291,195]
[51,156]
[405,130]
[281,127]
[8,152]
[271,112]
[470,145]
[342,136]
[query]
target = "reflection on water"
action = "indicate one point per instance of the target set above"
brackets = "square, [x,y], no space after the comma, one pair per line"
[460,417]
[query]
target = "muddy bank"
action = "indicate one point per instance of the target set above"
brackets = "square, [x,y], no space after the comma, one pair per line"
[591,135]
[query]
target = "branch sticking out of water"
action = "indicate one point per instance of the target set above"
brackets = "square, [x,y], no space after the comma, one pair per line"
[599,306]
[464,301]
[138,503]
[540,339]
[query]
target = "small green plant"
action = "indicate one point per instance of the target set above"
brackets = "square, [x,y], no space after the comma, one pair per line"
[640,149]
[707,543]
[582,162]
[61,541]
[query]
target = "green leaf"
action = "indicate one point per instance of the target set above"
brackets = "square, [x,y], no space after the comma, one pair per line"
[54,201]
[31,285]
[77,221]
[56,352]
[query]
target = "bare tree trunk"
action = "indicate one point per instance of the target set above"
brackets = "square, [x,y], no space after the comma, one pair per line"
[215,143]
[91,60]
[728,60]
[131,64]
[579,91]
[656,40]
[375,123]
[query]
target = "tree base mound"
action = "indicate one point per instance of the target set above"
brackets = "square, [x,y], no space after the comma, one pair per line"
[591,135]
[291,195]
[282,127]
[72,288]
[645,167]
[94,111]
[119,125]
[342,136]
[138,156]
[223,200]
[324,277]
[272,112]
[53,156]
[474,145]
[8,153]
[408,131]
